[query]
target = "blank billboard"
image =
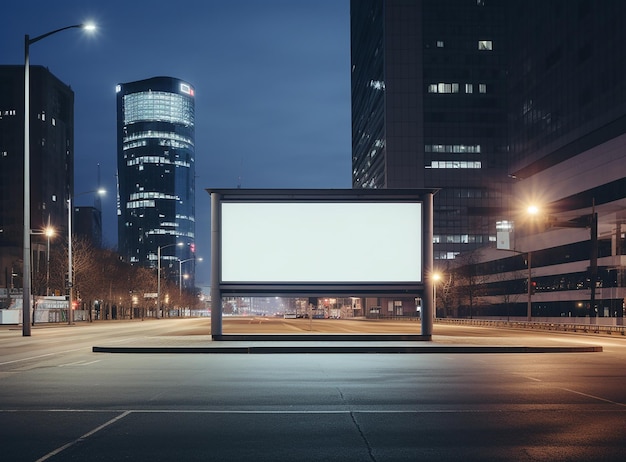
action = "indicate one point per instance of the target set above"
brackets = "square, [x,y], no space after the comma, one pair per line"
[321,242]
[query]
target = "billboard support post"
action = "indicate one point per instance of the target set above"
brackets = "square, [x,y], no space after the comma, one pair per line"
[429,270]
[216,292]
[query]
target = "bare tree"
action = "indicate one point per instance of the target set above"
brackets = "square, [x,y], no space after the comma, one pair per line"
[469,282]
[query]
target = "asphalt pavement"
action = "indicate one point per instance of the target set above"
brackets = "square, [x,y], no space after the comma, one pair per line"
[544,401]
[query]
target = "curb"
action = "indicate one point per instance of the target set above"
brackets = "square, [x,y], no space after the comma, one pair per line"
[317,349]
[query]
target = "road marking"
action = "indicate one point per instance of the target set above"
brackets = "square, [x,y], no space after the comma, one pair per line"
[498,410]
[85,436]
[594,397]
[30,358]
[79,363]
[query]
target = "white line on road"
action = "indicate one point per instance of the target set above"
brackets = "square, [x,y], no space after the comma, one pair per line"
[85,436]
[594,397]
[79,363]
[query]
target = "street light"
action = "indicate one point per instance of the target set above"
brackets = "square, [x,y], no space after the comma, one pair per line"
[49,232]
[180,273]
[179,244]
[532,211]
[436,278]
[70,274]
[26,285]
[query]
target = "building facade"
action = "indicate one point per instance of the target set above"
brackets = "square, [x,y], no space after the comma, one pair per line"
[567,137]
[51,168]
[156,175]
[502,104]
[429,110]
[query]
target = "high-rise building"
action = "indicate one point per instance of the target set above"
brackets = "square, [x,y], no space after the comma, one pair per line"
[499,103]
[429,110]
[51,166]
[156,175]
[87,223]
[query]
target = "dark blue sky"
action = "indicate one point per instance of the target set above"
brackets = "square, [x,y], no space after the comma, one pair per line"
[272,81]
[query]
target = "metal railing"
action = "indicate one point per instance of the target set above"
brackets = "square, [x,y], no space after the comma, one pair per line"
[551,326]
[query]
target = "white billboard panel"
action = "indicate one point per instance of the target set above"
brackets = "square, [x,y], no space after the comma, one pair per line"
[321,242]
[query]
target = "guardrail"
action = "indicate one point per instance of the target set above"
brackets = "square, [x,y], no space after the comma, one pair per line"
[564,327]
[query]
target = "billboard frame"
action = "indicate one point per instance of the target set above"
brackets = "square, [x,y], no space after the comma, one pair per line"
[423,288]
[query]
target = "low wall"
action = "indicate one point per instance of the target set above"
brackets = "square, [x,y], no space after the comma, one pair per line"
[14,316]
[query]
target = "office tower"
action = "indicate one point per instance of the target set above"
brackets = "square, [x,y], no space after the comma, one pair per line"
[51,167]
[156,175]
[429,110]
[567,138]
[87,224]
[548,126]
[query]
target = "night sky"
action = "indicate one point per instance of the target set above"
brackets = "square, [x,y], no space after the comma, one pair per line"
[272,81]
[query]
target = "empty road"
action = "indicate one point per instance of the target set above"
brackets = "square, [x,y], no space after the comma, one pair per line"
[59,401]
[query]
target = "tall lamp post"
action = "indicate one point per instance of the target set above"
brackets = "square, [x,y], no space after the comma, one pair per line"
[49,231]
[436,279]
[159,248]
[180,273]
[70,273]
[26,286]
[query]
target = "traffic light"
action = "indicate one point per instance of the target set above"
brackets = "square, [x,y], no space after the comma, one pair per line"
[533,287]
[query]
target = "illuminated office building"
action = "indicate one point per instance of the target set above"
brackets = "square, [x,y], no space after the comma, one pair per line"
[501,103]
[429,110]
[51,168]
[156,175]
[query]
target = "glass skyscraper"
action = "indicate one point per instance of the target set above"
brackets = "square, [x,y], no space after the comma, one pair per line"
[156,175]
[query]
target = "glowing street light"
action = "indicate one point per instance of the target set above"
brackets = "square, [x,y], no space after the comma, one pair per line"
[436,279]
[70,273]
[179,244]
[49,232]
[180,273]
[26,286]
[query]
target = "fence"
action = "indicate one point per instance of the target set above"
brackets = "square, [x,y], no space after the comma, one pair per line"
[553,326]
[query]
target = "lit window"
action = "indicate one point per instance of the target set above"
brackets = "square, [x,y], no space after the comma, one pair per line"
[482,88]
[485,45]
[455,148]
[454,164]
[440,44]
[469,88]
[446,88]
[377,84]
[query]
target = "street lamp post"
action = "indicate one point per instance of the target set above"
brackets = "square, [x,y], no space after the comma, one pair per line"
[26,286]
[180,273]
[49,233]
[436,278]
[529,304]
[179,244]
[70,273]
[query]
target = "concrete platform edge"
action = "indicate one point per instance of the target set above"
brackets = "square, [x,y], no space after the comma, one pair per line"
[343,349]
